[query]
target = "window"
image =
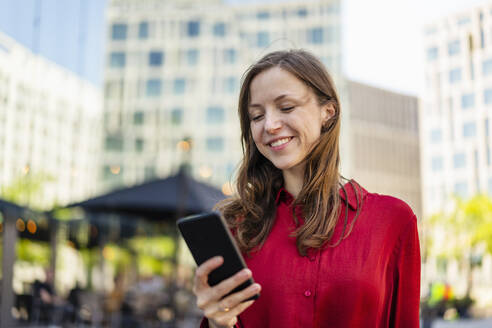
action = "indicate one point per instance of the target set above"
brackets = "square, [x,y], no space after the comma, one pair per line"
[117,59]
[193,28]
[487,96]
[461,189]
[454,47]
[486,127]
[215,144]
[112,171]
[192,57]
[179,86]
[469,130]
[177,116]
[459,160]
[487,67]
[302,12]
[143,30]
[437,163]
[229,56]
[315,35]
[432,53]
[263,15]
[436,135]
[490,186]
[113,143]
[219,29]
[215,115]
[118,31]
[155,58]
[262,39]
[455,75]
[149,172]
[467,101]
[489,156]
[153,87]
[139,145]
[138,118]
[230,84]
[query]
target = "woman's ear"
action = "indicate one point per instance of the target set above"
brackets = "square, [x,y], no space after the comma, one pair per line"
[327,112]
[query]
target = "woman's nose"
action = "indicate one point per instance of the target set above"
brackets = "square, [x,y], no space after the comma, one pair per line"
[272,123]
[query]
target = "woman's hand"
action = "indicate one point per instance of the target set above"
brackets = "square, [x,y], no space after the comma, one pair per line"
[222,312]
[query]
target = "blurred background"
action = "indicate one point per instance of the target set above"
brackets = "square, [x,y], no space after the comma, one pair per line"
[119,116]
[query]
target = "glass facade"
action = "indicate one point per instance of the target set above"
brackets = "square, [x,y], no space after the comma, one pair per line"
[219,29]
[230,56]
[156,58]
[215,144]
[117,60]
[436,135]
[143,30]
[432,53]
[487,96]
[192,57]
[455,75]
[459,160]
[469,129]
[153,88]
[315,35]
[437,163]
[118,31]
[193,28]
[215,115]
[177,116]
[454,47]
[487,67]
[467,101]
[262,39]
[179,86]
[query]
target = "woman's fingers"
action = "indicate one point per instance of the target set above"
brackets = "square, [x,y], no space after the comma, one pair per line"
[202,272]
[229,318]
[214,294]
[227,285]
[232,301]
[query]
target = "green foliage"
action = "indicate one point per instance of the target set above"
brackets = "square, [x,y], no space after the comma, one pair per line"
[33,252]
[466,228]
[24,189]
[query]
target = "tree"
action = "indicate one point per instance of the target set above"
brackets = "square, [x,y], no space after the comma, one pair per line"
[467,231]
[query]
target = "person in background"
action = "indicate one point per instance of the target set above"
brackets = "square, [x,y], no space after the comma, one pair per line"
[324,252]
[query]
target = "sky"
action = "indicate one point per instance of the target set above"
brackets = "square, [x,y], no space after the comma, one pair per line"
[382,39]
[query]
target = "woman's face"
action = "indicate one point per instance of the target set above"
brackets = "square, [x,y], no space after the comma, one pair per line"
[285,117]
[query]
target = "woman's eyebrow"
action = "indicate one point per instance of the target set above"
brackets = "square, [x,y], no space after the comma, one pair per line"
[275,100]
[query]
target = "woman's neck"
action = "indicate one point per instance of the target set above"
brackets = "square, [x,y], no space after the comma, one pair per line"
[293,180]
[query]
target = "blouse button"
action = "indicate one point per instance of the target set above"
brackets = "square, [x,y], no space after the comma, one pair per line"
[307,293]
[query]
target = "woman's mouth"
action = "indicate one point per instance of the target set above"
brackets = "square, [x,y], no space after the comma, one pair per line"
[280,142]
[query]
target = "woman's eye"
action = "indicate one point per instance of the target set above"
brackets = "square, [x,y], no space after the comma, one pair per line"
[256,118]
[286,109]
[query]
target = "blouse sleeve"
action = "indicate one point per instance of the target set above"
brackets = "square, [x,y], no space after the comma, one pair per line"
[406,295]
[204,323]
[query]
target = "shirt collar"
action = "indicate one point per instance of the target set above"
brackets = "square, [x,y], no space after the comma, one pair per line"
[352,188]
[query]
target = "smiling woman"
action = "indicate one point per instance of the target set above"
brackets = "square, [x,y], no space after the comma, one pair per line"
[324,251]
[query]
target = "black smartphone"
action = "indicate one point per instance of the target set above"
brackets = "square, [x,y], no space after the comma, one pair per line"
[207,235]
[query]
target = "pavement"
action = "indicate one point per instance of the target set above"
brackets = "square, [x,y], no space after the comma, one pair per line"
[465,323]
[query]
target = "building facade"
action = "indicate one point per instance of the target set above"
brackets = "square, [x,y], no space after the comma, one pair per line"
[456,140]
[50,128]
[173,72]
[384,136]
[456,157]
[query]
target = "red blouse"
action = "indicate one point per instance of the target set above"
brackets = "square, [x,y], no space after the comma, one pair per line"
[371,279]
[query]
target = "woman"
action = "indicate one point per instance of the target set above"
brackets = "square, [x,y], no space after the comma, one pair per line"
[323,253]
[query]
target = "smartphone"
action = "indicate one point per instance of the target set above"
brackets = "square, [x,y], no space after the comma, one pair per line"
[207,235]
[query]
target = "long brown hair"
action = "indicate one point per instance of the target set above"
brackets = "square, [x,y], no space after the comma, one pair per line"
[251,212]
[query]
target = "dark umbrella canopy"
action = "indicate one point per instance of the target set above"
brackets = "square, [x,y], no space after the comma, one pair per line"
[158,199]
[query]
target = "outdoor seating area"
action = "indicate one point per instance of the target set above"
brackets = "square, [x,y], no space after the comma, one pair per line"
[110,261]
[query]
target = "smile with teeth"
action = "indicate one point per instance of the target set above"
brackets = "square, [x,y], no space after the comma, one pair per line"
[280,142]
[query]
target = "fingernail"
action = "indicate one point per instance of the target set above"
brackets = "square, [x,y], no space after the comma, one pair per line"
[246,273]
[218,259]
[256,287]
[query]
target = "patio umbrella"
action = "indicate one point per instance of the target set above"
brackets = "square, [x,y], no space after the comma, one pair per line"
[162,199]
